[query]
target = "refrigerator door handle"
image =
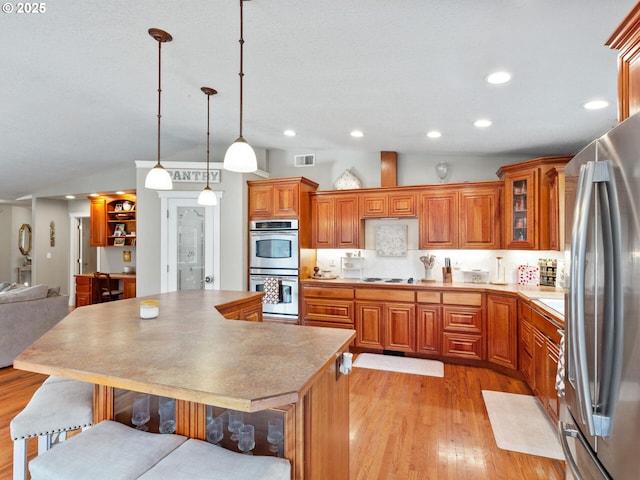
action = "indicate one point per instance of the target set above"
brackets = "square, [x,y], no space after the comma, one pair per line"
[579,375]
[568,430]
[613,327]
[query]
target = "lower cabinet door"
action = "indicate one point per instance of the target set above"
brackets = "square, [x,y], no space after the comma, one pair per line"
[429,329]
[369,331]
[400,327]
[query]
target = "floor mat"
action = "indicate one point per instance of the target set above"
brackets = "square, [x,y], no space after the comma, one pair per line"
[519,424]
[417,366]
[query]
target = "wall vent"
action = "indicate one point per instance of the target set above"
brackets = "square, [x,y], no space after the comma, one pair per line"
[308,160]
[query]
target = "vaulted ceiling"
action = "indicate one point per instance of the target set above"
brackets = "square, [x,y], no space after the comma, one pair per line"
[79,80]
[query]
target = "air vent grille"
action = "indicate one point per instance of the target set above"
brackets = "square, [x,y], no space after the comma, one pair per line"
[308,160]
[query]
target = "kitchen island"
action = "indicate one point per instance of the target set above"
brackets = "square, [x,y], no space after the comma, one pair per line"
[191,353]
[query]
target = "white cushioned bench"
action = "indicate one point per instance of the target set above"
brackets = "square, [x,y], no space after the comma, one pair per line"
[197,459]
[107,451]
[113,451]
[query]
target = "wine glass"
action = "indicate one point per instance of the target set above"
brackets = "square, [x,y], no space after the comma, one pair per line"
[167,411]
[140,414]
[236,420]
[275,433]
[215,431]
[246,439]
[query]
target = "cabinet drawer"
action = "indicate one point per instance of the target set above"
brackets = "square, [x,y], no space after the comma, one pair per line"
[321,310]
[328,292]
[526,336]
[524,311]
[385,295]
[463,346]
[428,297]
[462,298]
[461,319]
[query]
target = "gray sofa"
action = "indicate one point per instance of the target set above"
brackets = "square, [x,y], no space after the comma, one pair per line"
[26,313]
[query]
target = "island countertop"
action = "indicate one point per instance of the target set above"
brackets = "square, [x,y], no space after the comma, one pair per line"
[189,352]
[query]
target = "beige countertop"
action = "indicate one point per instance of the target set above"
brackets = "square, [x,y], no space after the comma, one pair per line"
[188,352]
[527,292]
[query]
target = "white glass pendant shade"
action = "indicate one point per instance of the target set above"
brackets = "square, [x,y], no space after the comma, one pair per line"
[240,157]
[158,179]
[207,197]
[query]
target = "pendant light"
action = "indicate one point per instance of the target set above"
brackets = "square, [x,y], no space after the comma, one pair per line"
[240,157]
[158,178]
[207,197]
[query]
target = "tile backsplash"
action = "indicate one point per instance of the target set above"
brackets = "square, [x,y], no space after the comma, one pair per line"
[329,260]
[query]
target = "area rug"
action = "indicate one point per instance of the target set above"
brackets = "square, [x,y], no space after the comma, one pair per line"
[391,363]
[519,424]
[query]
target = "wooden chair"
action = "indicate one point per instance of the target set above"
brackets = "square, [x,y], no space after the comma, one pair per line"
[105,288]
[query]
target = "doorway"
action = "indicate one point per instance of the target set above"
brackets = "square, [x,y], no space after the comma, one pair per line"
[83,257]
[190,243]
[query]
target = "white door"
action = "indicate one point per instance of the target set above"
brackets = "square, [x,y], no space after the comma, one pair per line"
[190,243]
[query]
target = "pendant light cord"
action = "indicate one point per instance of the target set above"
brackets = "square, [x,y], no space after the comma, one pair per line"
[241,63]
[159,94]
[208,117]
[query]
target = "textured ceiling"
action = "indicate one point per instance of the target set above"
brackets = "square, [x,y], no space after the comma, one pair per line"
[78,82]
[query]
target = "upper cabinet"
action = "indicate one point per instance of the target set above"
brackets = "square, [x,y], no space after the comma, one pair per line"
[528,201]
[461,216]
[626,39]
[383,204]
[279,198]
[335,221]
[113,221]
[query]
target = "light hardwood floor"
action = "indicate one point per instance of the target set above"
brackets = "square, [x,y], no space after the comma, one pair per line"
[402,427]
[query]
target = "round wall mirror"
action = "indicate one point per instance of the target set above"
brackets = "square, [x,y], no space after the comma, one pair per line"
[24,239]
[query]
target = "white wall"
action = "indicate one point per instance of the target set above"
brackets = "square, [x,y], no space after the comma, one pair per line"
[412,169]
[51,263]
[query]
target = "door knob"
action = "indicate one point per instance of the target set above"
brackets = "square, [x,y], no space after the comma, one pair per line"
[208,279]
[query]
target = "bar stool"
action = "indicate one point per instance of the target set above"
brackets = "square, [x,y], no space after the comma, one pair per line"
[107,451]
[199,460]
[58,406]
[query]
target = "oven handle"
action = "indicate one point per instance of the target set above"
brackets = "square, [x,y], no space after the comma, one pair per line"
[275,234]
[282,279]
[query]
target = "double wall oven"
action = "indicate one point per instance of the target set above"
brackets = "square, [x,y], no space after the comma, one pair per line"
[274,254]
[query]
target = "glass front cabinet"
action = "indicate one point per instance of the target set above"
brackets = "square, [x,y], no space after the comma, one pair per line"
[520,210]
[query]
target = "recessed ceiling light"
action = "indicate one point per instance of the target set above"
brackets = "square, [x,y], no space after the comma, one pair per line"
[94,195]
[497,78]
[434,134]
[70,197]
[596,104]
[357,134]
[482,123]
[290,133]
[119,192]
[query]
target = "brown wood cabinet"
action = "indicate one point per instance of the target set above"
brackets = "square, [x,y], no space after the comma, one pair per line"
[480,219]
[438,226]
[328,306]
[428,323]
[97,222]
[250,310]
[279,198]
[539,354]
[382,204]
[463,330]
[464,216]
[112,221]
[385,319]
[556,179]
[626,39]
[87,288]
[502,330]
[335,221]
[527,202]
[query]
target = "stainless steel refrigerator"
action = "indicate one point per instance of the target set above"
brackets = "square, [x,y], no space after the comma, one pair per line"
[600,419]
